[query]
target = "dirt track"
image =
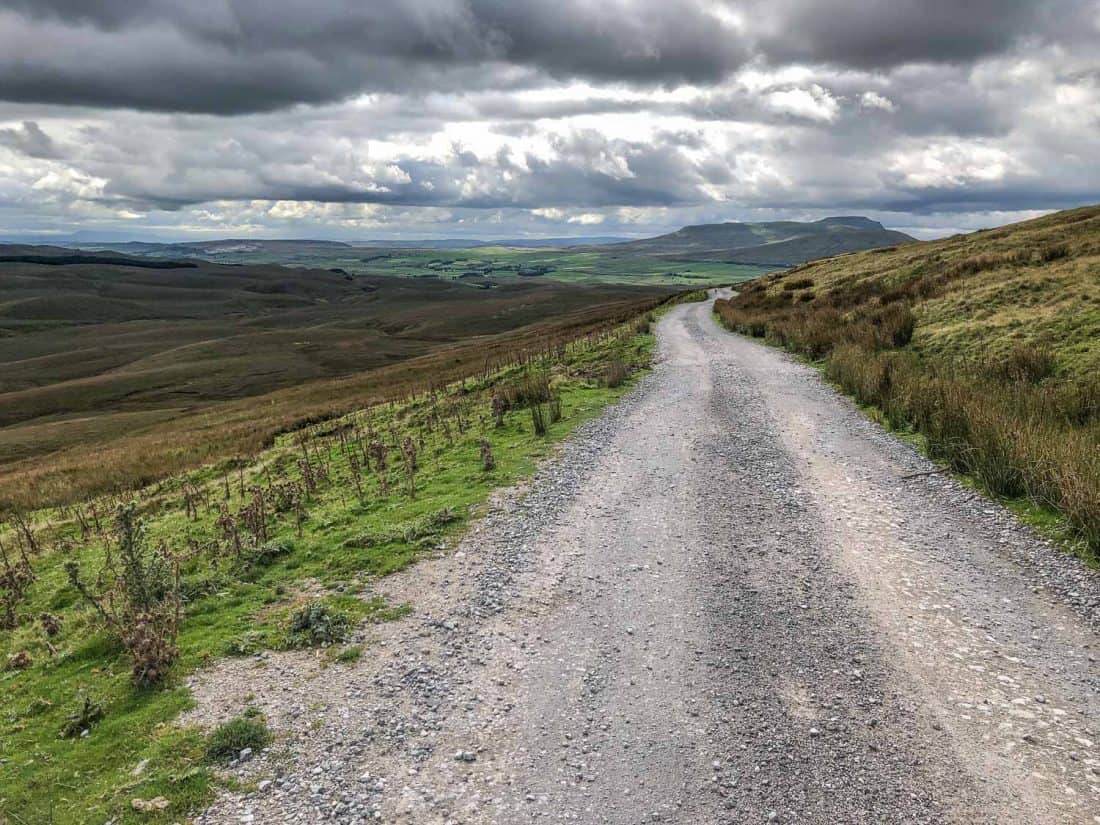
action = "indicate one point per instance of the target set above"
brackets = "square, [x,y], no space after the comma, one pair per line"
[728,601]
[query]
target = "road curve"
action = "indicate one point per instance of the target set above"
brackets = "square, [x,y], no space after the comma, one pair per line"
[733,599]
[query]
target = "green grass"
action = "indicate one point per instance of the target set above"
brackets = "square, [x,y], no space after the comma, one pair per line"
[348,655]
[502,264]
[343,545]
[226,741]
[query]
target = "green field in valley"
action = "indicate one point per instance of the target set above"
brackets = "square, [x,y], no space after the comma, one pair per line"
[498,263]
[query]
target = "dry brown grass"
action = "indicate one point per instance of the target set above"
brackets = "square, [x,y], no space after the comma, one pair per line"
[987,344]
[221,433]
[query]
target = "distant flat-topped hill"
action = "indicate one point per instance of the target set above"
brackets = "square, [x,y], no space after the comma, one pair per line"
[775,243]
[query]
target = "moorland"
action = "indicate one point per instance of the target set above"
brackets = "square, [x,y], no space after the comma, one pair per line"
[985,346]
[138,368]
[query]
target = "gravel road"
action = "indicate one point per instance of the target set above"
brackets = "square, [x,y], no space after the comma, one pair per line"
[729,600]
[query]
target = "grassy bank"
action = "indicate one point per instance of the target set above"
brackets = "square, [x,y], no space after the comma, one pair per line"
[988,345]
[108,617]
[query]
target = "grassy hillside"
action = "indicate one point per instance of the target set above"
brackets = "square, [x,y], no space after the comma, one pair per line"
[988,344]
[776,243]
[107,604]
[140,371]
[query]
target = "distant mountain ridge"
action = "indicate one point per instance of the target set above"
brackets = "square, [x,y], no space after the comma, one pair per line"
[773,244]
[776,243]
[228,246]
[217,247]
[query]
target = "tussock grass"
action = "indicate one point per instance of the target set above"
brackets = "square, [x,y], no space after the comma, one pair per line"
[249,730]
[988,345]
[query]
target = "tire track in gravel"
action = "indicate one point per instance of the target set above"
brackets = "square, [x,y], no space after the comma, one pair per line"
[721,604]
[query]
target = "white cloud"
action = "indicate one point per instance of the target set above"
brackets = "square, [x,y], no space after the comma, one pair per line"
[587,219]
[873,100]
[813,102]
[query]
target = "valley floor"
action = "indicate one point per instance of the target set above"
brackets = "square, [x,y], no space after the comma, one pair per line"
[731,599]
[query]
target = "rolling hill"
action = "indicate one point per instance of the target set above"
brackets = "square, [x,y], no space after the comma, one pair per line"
[777,243]
[98,348]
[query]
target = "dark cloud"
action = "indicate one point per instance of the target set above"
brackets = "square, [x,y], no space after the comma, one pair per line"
[248,55]
[30,140]
[887,33]
[232,56]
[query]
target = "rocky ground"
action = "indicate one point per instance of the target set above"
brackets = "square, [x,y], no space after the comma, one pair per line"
[732,599]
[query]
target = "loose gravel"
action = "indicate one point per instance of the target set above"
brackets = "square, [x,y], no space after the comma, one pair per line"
[726,601]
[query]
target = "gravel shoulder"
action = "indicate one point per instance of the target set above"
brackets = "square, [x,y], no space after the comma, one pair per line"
[724,602]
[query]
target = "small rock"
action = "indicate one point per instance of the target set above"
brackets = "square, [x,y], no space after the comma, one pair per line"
[157,804]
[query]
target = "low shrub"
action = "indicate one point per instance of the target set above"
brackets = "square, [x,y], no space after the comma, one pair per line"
[20,660]
[616,373]
[349,654]
[82,719]
[533,387]
[225,743]
[408,532]
[894,325]
[317,625]
[246,644]
[488,462]
[1024,363]
[538,419]
[142,605]
[1053,252]
[1077,403]
[266,554]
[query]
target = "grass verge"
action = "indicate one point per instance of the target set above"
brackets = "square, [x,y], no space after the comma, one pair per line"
[1018,410]
[266,554]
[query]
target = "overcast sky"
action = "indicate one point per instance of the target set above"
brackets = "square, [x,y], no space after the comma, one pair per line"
[500,118]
